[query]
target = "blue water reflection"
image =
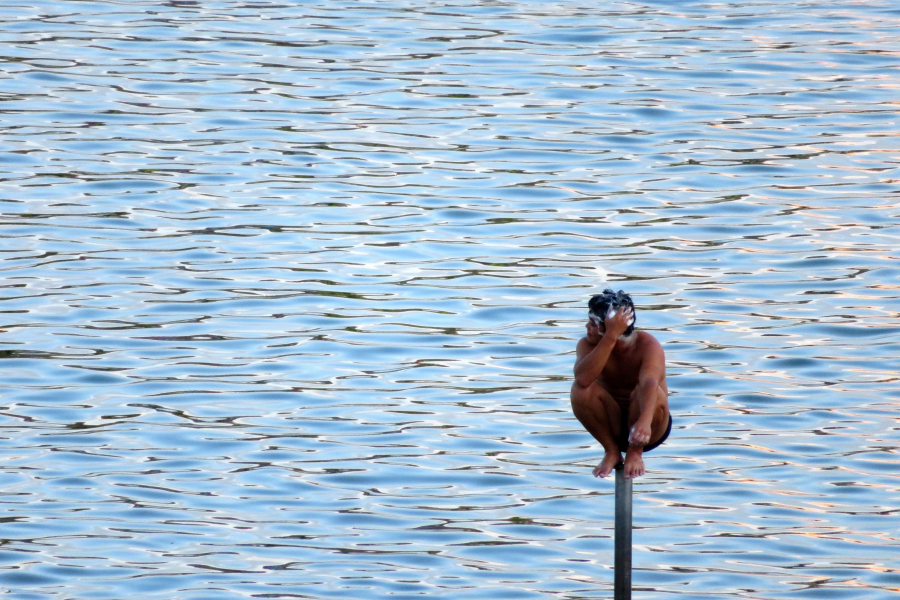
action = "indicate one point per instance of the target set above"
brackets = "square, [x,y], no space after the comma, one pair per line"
[291,294]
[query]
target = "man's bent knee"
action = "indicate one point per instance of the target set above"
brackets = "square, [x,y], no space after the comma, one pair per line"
[582,397]
[662,400]
[589,391]
[591,398]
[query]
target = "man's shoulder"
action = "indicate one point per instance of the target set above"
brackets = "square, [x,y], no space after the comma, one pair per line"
[584,346]
[647,342]
[646,337]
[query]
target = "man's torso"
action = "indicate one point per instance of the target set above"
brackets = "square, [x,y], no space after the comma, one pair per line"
[622,372]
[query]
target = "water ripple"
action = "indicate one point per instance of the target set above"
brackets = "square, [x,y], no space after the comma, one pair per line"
[292,292]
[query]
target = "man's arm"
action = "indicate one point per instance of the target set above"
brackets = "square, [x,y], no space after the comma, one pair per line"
[650,378]
[589,364]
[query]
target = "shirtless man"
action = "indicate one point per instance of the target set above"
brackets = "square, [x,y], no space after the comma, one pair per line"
[620,393]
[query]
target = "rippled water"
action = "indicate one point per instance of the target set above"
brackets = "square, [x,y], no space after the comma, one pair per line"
[291,295]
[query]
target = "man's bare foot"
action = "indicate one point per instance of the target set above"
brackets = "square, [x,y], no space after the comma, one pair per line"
[606,466]
[634,462]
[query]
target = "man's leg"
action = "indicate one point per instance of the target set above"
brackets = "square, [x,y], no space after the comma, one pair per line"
[634,456]
[602,417]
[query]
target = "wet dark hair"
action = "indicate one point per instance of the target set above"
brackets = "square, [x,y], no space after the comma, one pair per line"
[600,304]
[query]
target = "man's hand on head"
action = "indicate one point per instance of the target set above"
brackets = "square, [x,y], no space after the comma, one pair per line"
[618,322]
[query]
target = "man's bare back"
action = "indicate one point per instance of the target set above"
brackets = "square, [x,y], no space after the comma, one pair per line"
[620,394]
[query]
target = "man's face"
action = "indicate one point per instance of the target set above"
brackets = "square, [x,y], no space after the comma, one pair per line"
[595,328]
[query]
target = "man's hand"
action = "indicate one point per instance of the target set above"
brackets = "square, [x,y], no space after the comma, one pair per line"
[618,322]
[640,433]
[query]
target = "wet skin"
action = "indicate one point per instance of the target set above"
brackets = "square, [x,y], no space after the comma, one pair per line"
[616,376]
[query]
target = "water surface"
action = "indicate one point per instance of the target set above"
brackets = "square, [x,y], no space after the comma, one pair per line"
[291,296]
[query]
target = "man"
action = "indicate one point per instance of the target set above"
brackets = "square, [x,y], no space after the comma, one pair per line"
[620,393]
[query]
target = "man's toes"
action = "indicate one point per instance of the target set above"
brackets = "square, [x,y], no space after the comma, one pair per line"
[634,468]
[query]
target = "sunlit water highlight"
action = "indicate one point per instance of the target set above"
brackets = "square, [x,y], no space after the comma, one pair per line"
[291,294]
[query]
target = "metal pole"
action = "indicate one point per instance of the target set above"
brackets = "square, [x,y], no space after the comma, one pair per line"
[623,536]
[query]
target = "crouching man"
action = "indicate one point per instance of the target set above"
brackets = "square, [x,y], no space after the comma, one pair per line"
[620,394]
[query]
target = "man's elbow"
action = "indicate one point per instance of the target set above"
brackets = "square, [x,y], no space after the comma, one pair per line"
[583,380]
